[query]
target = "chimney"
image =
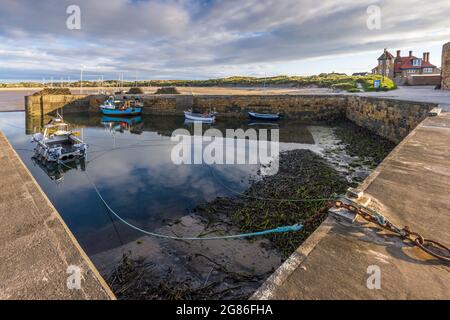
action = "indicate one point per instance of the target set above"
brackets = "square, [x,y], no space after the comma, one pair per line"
[410,53]
[428,57]
[425,57]
[398,53]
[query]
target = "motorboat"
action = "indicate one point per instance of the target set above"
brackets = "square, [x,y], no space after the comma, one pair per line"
[57,143]
[119,107]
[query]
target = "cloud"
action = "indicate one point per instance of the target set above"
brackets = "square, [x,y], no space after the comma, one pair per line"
[204,38]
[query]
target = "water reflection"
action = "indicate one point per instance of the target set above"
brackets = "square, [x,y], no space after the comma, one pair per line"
[56,171]
[133,125]
[129,159]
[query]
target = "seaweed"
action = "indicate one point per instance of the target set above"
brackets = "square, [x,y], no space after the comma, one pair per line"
[298,193]
[136,279]
[362,143]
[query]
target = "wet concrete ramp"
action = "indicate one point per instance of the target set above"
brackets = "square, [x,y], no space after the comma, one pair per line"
[38,253]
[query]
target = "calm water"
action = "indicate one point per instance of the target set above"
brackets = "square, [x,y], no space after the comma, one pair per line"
[13,99]
[131,165]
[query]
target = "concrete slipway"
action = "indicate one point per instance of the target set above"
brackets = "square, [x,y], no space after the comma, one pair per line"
[36,247]
[411,188]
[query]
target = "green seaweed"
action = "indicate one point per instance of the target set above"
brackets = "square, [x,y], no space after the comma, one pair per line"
[370,148]
[268,204]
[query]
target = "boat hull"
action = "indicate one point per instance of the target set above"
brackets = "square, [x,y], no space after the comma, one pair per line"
[263,116]
[199,118]
[119,113]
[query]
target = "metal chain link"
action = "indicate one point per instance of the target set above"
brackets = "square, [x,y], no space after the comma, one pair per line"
[404,233]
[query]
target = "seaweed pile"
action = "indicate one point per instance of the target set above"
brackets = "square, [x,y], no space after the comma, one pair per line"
[136,90]
[134,279]
[138,279]
[53,91]
[167,90]
[289,197]
[360,142]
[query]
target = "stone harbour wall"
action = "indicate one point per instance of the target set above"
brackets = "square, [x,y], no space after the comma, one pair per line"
[446,67]
[41,105]
[301,107]
[391,119]
[163,104]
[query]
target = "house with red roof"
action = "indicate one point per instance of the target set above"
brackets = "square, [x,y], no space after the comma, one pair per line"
[408,70]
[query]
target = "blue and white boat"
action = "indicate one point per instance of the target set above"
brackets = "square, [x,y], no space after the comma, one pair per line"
[116,107]
[265,116]
[198,117]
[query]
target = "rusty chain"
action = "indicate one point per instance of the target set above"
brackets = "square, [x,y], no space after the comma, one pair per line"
[405,233]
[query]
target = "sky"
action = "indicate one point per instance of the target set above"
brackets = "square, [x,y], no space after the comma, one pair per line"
[202,39]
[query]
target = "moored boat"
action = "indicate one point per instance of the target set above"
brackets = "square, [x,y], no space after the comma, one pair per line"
[117,107]
[199,117]
[58,143]
[265,116]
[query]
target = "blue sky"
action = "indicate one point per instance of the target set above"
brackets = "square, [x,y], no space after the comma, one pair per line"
[198,39]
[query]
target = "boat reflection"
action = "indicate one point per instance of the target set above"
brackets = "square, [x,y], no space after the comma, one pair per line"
[56,171]
[190,123]
[133,125]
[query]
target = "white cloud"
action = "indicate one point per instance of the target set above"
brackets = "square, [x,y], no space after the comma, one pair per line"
[197,38]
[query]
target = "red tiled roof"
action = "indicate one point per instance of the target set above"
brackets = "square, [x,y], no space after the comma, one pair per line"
[406,63]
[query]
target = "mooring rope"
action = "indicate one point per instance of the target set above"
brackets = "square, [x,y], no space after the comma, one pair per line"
[284,229]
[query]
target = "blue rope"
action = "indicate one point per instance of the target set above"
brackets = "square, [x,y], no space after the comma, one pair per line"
[293,228]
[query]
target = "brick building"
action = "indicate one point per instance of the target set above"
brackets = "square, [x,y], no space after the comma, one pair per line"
[403,69]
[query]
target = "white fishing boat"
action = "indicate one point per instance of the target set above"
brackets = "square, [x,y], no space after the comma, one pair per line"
[58,143]
[199,117]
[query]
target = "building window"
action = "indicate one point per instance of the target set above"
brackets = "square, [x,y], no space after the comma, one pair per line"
[428,70]
[417,62]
